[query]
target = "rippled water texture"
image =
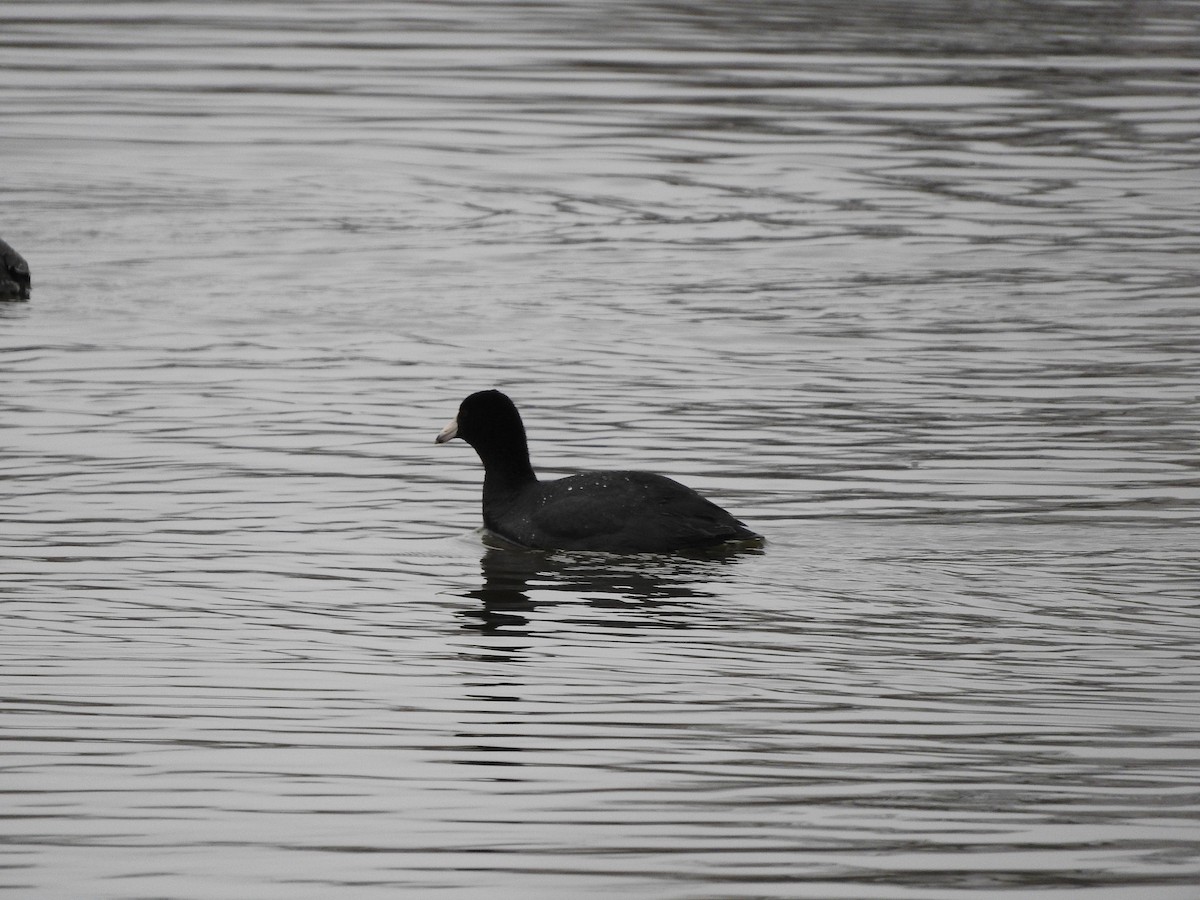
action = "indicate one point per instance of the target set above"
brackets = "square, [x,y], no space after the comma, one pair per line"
[912,288]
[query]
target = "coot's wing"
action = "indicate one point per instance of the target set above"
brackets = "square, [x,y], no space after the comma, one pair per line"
[630,512]
[575,518]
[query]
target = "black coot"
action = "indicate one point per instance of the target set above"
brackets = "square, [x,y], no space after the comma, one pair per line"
[14,274]
[617,512]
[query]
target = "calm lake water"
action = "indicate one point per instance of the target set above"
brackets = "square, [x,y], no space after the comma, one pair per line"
[914,289]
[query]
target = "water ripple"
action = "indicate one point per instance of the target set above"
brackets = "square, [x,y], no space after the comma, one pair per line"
[913,294]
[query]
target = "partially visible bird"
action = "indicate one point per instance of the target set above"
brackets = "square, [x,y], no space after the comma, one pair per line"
[14,274]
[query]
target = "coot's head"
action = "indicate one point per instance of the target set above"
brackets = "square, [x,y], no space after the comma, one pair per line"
[483,418]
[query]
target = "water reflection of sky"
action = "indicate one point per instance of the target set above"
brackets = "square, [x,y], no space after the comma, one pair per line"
[910,287]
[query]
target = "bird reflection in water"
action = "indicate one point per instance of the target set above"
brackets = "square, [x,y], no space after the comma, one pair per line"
[603,581]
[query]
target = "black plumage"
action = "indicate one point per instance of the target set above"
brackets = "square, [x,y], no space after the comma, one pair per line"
[617,512]
[14,274]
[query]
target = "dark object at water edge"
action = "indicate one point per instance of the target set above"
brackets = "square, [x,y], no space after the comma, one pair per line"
[614,512]
[14,274]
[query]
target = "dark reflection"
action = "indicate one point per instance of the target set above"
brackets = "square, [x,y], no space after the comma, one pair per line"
[946,26]
[603,580]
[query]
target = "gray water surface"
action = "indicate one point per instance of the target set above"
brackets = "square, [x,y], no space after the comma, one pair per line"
[914,289]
